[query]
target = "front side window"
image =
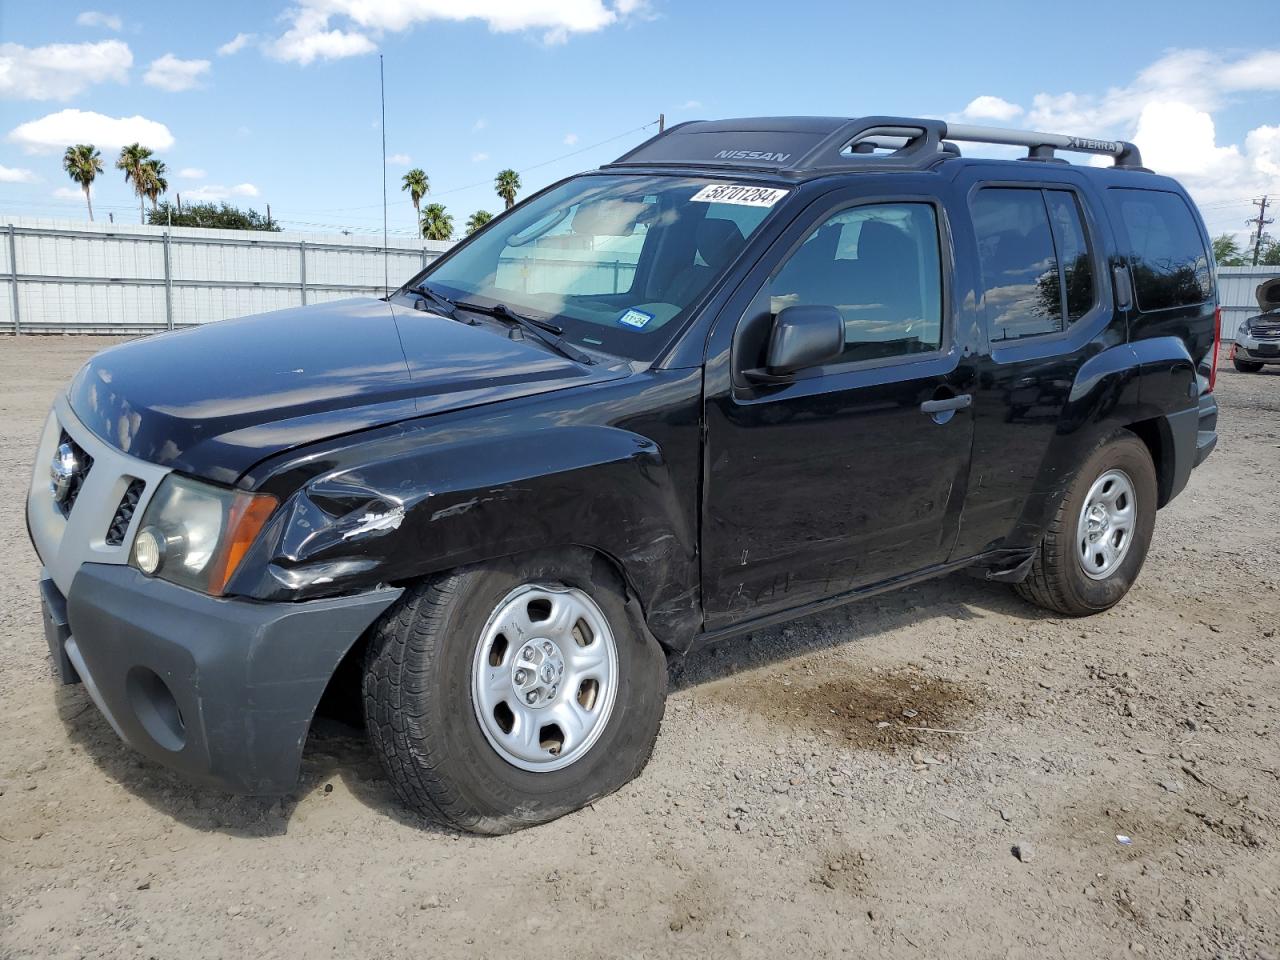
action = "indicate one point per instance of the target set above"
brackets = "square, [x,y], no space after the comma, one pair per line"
[879,265]
[1166,252]
[1032,248]
[615,260]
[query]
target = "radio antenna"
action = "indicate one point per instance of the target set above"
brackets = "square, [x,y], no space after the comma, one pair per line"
[386,269]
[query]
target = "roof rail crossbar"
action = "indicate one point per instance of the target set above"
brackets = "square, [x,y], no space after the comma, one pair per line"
[1040,146]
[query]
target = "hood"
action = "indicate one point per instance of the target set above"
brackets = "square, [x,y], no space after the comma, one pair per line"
[1268,294]
[214,400]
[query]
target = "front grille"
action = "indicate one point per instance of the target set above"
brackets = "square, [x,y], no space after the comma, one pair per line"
[124,513]
[84,463]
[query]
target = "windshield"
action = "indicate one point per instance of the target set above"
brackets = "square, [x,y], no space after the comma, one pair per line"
[615,260]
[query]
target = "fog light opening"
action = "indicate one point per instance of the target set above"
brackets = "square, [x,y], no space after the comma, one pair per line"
[156,709]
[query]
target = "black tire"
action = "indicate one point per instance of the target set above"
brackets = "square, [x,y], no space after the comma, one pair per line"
[1057,580]
[1246,366]
[419,709]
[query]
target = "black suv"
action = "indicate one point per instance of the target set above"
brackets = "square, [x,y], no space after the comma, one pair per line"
[750,370]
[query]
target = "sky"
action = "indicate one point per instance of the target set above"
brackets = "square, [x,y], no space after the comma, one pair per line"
[274,102]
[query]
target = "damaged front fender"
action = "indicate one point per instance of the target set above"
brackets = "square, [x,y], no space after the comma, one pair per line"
[615,471]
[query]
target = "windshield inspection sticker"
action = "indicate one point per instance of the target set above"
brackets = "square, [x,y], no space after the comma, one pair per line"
[739,194]
[635,318]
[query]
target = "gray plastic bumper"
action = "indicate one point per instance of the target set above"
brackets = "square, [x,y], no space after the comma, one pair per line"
[220,690]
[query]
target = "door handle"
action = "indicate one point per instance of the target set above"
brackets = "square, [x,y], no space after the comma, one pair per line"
[961,402]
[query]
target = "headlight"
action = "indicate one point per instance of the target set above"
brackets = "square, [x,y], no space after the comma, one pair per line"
[1242,331]
[195,534]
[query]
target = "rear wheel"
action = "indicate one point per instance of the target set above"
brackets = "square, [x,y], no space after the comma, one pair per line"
[508,694]
[1097,541]
[1246,366]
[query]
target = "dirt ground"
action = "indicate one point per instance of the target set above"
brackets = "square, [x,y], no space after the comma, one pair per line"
[788,810]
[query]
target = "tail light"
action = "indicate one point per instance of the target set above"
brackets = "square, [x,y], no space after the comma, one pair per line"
[1217,342]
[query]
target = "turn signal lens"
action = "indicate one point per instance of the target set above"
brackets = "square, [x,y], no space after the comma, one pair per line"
[248,515]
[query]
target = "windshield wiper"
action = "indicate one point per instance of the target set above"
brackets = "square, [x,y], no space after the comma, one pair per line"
[544,330]
[442,303]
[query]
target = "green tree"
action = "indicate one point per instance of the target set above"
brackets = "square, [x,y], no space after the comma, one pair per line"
[436,224]
[211,216]
[416,182]
[1226,251]
[1268,252]
[82,163]
[132,160]
[507,184]
[478,220]
[153,182]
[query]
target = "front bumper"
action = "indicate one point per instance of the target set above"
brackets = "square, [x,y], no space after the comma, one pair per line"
[1257,351]
[220,690]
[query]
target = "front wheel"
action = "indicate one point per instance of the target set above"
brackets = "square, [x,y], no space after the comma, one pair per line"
[1096,542]
[1246,366]
[510,693]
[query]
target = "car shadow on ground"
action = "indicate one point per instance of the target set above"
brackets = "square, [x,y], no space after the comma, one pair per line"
[338,756]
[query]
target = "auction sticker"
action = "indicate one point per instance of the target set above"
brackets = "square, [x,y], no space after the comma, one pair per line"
[739,194]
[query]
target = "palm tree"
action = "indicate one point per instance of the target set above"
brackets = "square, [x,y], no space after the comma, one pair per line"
[416,182]
[131,160]
[152,182]
[478,220]
[82,163]
[507,183]
[436,224]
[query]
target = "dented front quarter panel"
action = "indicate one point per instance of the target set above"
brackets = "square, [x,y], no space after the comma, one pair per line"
[611,466]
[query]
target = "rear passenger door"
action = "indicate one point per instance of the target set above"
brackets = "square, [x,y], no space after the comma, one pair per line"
[837,479]
[1041,294]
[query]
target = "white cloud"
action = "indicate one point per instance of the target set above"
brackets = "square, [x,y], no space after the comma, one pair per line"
[312,34]
[570,139]
[214,192]
[986,108]
[94,18]
[191,173]
[399,159]
[17,175]
[479,125]
[170,73]
[59,71]
[479,157]
[71,193]
[690,105]
[236,44]
[1168,111]
[56,131]
[310,39]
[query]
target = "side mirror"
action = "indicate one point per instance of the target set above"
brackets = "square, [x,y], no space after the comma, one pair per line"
[802,336]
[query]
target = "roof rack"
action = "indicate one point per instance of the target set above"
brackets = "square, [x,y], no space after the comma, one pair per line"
[806,146]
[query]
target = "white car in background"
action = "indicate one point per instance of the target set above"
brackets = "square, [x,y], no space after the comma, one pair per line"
[1258,338]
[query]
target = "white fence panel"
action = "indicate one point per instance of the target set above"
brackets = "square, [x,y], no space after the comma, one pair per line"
[112,278]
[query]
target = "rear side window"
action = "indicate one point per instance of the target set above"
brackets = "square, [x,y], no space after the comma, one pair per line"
[1033,248]
[1166,253]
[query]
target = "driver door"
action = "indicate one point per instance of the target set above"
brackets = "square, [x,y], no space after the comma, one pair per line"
[852,473]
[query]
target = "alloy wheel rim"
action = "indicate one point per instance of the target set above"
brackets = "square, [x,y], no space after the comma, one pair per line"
[544,677]
[1104,531]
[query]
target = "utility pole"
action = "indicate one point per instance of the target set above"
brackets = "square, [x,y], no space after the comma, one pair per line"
[1262,221]
[662,122]
[179,196]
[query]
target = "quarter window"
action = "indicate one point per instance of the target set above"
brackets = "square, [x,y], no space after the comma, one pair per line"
[879,265]
[1032,248]
[1166,253]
